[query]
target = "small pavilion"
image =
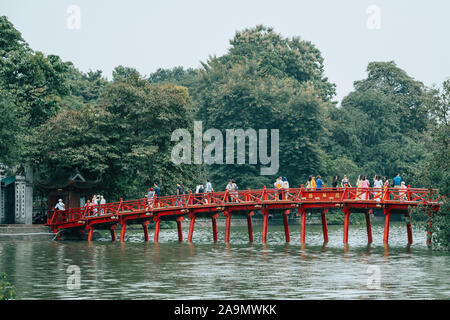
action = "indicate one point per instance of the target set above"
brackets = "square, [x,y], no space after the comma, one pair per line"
[74,189]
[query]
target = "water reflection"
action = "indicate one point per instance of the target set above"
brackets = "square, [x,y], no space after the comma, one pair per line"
[237,270]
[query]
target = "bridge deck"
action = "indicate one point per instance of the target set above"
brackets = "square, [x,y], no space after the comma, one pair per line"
[244,202]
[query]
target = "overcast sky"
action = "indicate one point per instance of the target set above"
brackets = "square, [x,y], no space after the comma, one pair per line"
[148,35]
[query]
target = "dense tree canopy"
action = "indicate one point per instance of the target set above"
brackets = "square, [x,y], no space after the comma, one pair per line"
[266,81]
[380,126]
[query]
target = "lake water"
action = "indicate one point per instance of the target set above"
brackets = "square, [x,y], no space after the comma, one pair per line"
[238,270]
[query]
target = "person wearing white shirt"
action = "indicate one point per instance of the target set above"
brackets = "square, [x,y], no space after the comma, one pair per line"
[60,205]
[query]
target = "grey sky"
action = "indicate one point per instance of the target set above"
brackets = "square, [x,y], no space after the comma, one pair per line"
[151,34]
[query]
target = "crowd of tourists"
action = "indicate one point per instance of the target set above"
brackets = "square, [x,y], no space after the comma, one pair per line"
[92,205]
[281,185]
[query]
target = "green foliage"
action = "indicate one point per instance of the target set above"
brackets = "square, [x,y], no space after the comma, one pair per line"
[125,139]
[336,217]
[85,88]
[7,291]
[435,169]
[10,129]
[266,81]
[175,75]
[379,126]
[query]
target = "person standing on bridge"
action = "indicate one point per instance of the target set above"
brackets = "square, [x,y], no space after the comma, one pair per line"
[150,197]
[319,183]
[313,183]
[235,190]
[94,204]
[309,183]
[386,188]
[397,181]
[345,182]
[102,204]
[285,186]
[180,193]
[358,188]
[378,187]
[208,186]
[157,193]
[365,184]
[335,182]
[208,190]
[277,186]
[60,205]
[228,189]
[403,194]
[199,193]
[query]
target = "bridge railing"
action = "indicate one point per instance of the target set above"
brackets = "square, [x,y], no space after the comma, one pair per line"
[190,200]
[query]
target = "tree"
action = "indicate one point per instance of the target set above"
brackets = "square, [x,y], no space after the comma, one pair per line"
[381,125]
[36,82]
[436,167]
[125,139]
[145,116]
[10,129]
[85,88]
[266,81]
[408,94]
[7,291]
[176,75]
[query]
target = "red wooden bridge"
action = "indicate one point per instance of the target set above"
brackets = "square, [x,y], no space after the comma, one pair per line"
[245,203]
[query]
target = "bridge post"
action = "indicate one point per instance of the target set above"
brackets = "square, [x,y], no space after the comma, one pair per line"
[302,212]
[191,228]
[214,226]
[369,226]
[429,235]
[113,232]
[227,214]
[387,217]
[408,228]
[265,213]
[286,225]
[180,231]
[90,232]
[156,234]
[145,228]
[324,225]
[250,226]
[123,227]
[346,223]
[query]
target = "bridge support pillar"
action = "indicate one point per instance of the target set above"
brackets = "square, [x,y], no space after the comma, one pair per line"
[180,231]
[250,226]
[191,228]
[346,223]
[113,232]
[302,225]
[227,226]
[324,225]
[145,229]
[286,225]
[90,232]
[214,226]
[369,226]
[156,234]
[408,228]
[123,228]
[387,217]
[429,235]
[265,213]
